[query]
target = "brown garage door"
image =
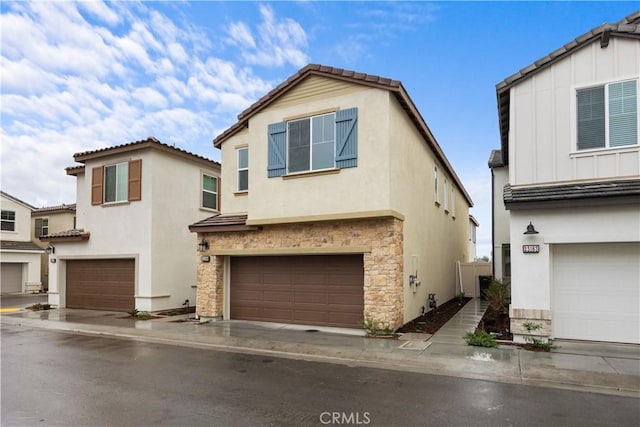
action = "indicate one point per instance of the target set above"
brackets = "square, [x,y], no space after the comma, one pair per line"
[11,280]
[322,290]
[101,284]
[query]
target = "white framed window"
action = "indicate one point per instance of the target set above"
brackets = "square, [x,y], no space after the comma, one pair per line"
[446,195]
[607,115]
[453,202]
[436,184]
[243,169]
[209,192]
[42,227]
[116,183]
[8,220]
[311,143]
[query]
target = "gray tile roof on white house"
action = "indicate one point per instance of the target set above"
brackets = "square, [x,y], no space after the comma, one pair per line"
[576,194]
[629,27]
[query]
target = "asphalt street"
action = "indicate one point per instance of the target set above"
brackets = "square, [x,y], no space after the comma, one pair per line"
[63,379]
[21,300]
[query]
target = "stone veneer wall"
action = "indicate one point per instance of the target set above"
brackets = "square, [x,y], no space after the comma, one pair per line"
[383,264]
[540,317]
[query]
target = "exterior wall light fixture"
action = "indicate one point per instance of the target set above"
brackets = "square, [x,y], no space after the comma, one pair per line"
[51,249]
[531,229]
[203,245]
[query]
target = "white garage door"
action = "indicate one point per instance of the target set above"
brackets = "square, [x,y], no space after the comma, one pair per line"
[597,292]
[11,280]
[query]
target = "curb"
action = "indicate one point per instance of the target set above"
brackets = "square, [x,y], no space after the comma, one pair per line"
[629,386]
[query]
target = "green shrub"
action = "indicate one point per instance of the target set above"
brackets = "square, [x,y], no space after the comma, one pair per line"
[480,338]
[499,295]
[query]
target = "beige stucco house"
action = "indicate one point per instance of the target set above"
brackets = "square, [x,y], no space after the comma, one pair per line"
[567,189]
[131,247]
[19,255]
[339,207]
[50,220]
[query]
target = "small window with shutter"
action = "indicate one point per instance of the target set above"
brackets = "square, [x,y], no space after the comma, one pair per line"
[314,143]
[116,183]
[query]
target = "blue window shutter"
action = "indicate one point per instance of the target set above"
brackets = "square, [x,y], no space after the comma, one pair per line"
[347,138]
[277,165]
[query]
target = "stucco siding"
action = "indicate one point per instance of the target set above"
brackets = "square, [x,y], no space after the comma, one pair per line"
[433,239]
[542,112]
[234,202]
[500,220]
[531,273]
[363,188]
[22,224]
[176,204]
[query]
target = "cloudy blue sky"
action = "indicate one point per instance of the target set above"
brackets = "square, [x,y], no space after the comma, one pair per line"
[87,75]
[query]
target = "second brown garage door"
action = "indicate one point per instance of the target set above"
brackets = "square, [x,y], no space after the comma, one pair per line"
[324,290]
[101,284]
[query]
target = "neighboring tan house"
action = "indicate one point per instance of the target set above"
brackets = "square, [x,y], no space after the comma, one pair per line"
[131,247]
[19,255]
[339,207]
[50,220]
[571,159]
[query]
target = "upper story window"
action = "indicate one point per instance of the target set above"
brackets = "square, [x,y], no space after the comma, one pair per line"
[311,143]
[453,202]
[42,227]
[8,220]
[446,195]
[314,143]
[243,169]
[607,115]
[116,183]
[436,184]
[209,192]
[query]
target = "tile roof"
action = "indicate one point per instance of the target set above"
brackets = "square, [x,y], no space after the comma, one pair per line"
[495,159]
[222,223]
[628,27]
[627,190]
[393,86]
[75,234]
[150,142]
[10,245]
[15,199]
[59,208]
[74,170]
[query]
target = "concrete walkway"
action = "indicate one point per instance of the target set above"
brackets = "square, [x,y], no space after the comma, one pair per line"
[596,367]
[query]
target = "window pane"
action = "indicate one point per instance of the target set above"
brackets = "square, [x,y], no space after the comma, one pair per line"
[209,183]
[323,155]
[299,150]
[243,180]
[122,186]
[8,226]
[10,215]
[591,120]
[209,200]
[623,114]
[110,184]
[243,158]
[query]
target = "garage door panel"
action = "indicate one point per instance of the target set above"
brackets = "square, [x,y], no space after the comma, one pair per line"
[104,284]
[596,292]
[315,290]
[11,277]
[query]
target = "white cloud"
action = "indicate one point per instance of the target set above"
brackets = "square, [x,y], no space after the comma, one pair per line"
[78,77]
[280,41]
[99,10]
[240,35]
